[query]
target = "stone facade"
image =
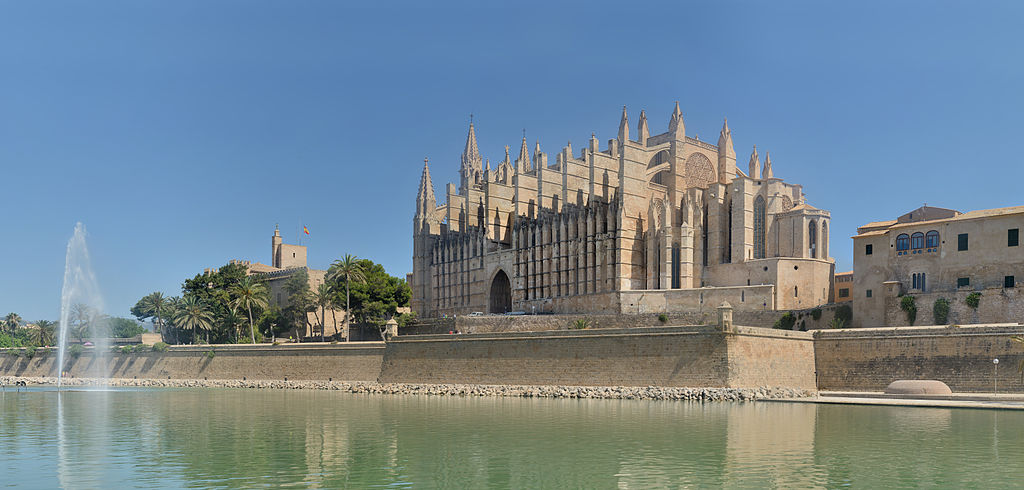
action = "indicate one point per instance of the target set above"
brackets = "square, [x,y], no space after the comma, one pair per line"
[934,252]
[287,260]
[842,287]
[650,223]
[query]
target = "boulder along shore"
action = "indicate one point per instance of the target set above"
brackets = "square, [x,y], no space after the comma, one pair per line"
[599,392]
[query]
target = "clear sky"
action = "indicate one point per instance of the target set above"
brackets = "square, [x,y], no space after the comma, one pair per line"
[181,131]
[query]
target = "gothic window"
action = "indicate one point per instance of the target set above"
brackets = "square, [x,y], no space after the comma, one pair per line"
[759,234]
[728,246]
[699,171]
[917,240]
[704,235]
[812,239]
[824,239]
[931,239]
[902,242]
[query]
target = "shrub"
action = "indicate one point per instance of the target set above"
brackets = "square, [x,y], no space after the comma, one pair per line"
[126,349]
[816,314]
[973,300]
[210,354]
[837,323]
[786,321]
[845,313]
[580,323]
[941,311]
[30,351]
[75,351]
[160,347]
[909,306]
[663,318]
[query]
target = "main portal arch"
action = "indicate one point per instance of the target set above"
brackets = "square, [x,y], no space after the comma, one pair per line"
[501,294]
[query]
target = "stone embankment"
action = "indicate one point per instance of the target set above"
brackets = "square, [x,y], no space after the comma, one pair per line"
[599,392]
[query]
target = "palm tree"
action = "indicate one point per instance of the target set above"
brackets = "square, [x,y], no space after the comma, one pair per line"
[155,306]
[44,334]
[172,306]
[12,321]
[249,293]
[233,320]
[194,315]
[323,298]
[350,269]
[81,319]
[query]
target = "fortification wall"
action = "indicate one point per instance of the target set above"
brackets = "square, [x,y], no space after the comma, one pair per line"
[661,356]
[868,359]
[295,362]
[997,305]
[540,323]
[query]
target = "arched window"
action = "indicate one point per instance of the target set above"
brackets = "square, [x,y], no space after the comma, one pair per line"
[824,239]
[812,239]
[759,251]
[931,239]
[903,242]
[917,240]
[660,158]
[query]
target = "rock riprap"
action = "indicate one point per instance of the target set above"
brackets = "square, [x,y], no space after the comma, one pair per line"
[600,392]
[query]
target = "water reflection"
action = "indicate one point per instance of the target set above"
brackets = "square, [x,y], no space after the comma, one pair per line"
[314,439]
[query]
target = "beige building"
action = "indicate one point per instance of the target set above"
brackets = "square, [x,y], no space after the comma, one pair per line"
[842,287]
[934,252]
[649,223]
[287,260]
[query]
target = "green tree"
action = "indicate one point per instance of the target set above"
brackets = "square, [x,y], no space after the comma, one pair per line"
[171,309]
[350,270]
[153,305]
[82,319]
[250,293]
[194,315]
[300,299]
[940,311]
[323,298]
[909,306]
[44,334]
[124,327]
[11,322]
[233,322]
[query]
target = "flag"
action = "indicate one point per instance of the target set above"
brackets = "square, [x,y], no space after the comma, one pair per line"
[305,230]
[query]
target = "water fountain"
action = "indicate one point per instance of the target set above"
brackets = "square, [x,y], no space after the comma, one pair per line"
[80,291]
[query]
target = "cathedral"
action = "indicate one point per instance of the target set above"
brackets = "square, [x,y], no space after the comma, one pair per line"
[650,224]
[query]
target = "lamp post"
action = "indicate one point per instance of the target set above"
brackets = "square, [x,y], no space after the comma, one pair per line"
[995,376]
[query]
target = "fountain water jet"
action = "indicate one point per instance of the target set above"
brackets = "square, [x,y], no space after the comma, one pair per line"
[80,288]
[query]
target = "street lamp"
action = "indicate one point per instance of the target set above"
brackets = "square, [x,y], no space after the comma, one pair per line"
[995,376]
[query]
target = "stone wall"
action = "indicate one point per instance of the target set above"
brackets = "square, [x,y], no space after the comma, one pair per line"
[997,305]
[540,323]
[300,362]
[868,359]
[660,356]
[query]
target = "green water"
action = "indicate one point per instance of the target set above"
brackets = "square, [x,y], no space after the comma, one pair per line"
[317,439]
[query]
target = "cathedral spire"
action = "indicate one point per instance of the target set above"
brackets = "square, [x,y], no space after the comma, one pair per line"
[768,166]
[755,165]
[425,201]
[624,127]
[676,126]
[472,163]
[725,140]
[642,129]
[523,162]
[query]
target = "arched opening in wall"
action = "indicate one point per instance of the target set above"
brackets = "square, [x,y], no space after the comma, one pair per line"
[660,158]
[480,216]
[704,234]
[759,229]
[660,178]
[824,239]
[728,244]
[501,294]
[812,239]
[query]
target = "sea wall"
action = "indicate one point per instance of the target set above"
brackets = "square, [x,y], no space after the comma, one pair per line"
[868,359]
[356,362]
[657,356]
[540,323]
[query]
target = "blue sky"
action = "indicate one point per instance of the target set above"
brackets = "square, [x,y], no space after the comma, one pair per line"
[181,132]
